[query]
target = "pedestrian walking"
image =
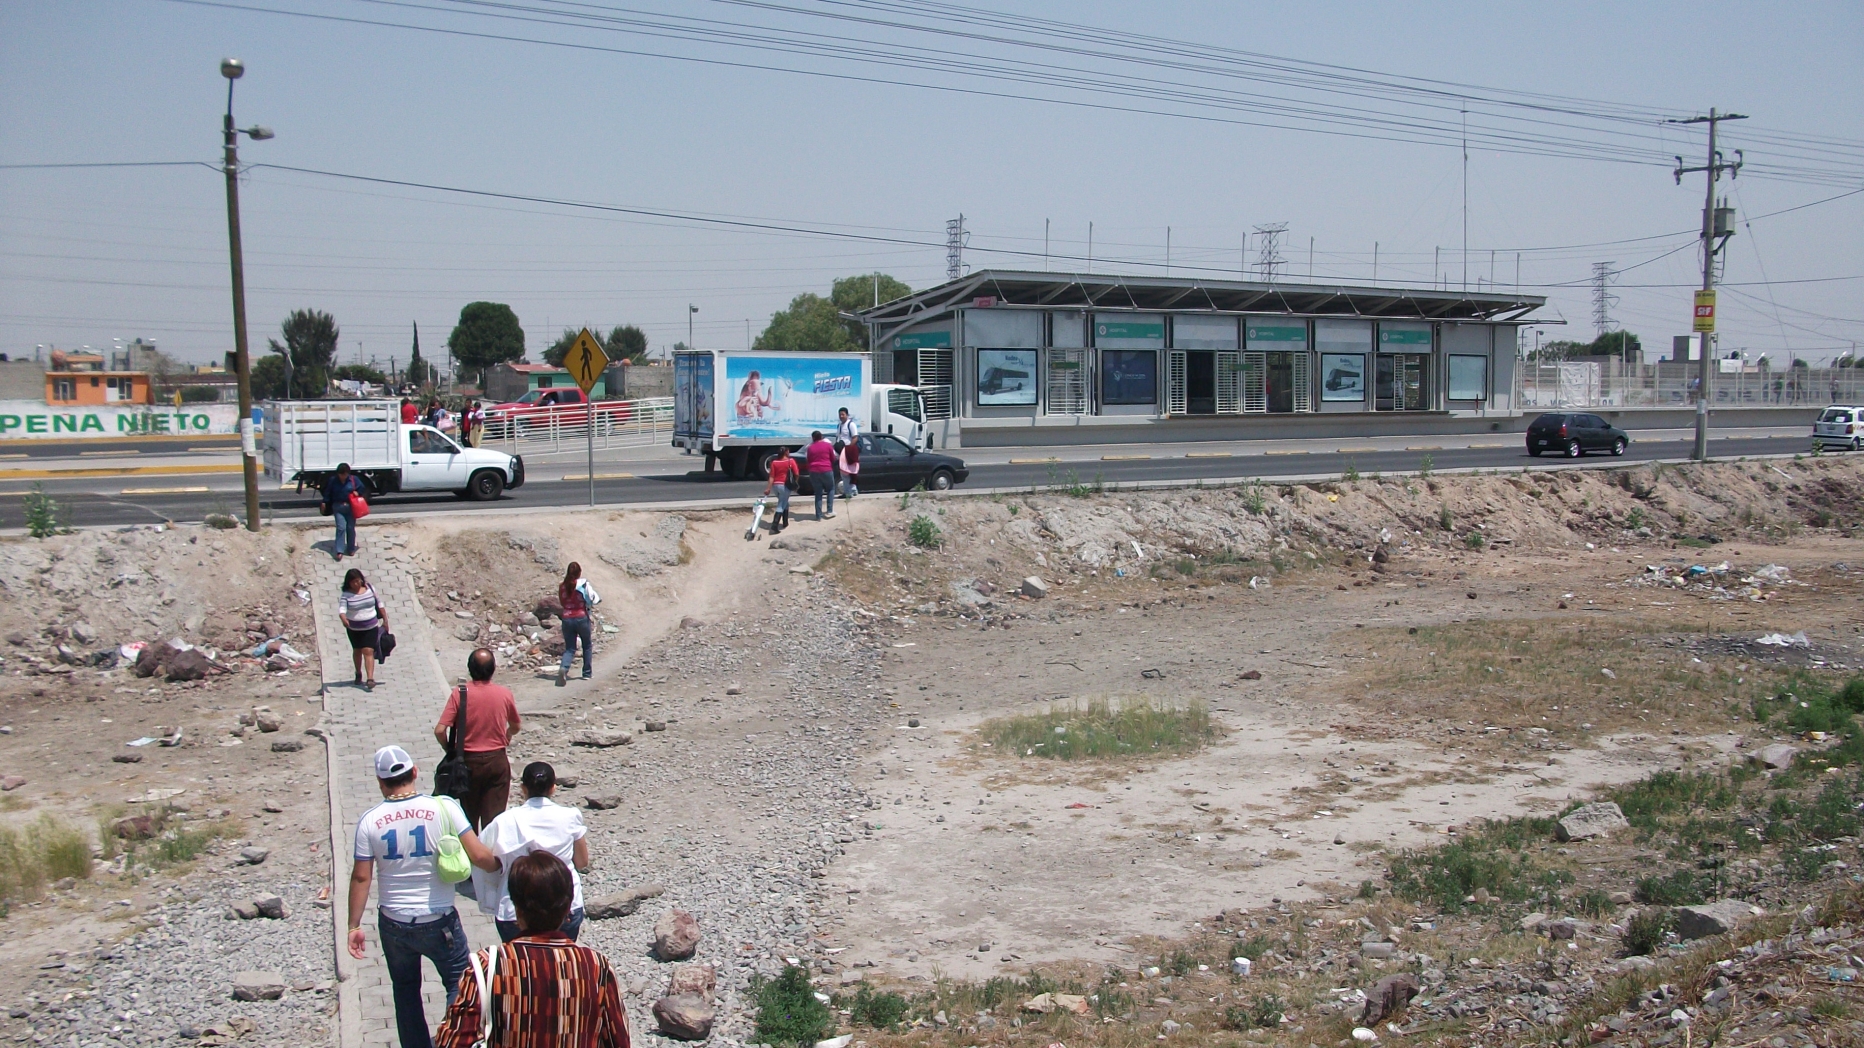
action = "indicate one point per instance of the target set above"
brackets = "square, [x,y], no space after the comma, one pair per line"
[409,413]
[363,617]
[850,468]
[475,424]
[845,429]
[783,470]
[337,492]
[542,989]
[491,721]
[576,596]
[821,456]
[538,825]
[398,846]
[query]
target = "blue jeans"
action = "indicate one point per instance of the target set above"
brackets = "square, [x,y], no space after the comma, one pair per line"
[577,630]
[346,533]
[572,927]
[824,486]
[403,945]
[848,490]
[782,492]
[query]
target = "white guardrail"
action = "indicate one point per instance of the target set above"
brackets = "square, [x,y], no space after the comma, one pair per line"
[618,424]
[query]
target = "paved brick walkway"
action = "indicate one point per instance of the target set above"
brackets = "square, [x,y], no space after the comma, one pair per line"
[409,690]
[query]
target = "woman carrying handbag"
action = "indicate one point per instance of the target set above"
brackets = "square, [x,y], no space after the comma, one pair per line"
[362,616]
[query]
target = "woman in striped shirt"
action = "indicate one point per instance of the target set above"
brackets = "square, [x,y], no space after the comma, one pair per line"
[363,617]
[545,990]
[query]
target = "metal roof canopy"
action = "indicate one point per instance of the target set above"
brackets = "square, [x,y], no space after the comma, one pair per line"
[1152,293]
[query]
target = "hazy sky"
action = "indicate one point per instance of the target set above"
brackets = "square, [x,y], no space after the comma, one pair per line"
[89,255]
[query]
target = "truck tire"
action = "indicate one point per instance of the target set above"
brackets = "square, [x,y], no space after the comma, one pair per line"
[760,463]
[485,485]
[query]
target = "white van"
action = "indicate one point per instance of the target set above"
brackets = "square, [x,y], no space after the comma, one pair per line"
[1839,426]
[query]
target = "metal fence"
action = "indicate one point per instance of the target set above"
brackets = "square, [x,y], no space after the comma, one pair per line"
[1589,384]
[618,424]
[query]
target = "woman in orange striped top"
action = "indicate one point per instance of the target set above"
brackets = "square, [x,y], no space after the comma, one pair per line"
[544,990]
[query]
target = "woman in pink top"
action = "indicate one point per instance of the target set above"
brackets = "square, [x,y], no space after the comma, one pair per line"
[821,457]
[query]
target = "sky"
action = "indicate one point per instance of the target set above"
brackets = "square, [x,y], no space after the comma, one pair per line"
[771,169]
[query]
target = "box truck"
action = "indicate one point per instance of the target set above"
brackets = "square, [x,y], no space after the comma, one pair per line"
[740,407]
[305,440]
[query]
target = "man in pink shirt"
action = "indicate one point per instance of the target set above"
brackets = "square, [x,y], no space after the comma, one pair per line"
[491,721]
[821,457]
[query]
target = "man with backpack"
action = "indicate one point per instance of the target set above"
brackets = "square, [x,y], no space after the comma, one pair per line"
[406,844]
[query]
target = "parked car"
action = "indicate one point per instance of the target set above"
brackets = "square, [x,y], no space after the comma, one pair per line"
[887,463]
[1573,434]
[1839,426]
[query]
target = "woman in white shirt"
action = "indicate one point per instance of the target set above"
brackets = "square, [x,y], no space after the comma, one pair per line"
[362,615]
[539,824]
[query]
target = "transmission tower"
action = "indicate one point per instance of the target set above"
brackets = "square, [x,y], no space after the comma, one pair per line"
[1268,254]
[954,248]
[1602,299]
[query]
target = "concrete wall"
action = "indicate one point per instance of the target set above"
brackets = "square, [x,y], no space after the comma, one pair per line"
[22,380]
[637,381]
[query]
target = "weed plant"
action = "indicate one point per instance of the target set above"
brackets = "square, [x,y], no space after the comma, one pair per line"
[878,1009]
[46,850]
[41,513]
[788,1012]
[1101,730]
[923,532]
[1644,932]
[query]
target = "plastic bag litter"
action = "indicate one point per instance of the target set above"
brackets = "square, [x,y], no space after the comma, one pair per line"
[128,652]
[292,653]
[1782,640]
[1774,573]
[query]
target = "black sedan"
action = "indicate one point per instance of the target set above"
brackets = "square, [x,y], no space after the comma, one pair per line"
[1573,434]
[887,463]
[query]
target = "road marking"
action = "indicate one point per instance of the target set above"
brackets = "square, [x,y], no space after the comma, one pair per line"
[130,451]
[225,448]
[1033,462]
[1356,451]
[1302,451]
[599,476]
[1426,447]
[1125,458]
[119,471]
[11,494]
[1208,454]
[163,491]
[1503,444]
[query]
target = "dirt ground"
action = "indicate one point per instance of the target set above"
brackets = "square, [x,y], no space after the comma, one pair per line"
[1388,660]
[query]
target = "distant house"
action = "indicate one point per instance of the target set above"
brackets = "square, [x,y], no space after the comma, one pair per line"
[507,382]
[80,379]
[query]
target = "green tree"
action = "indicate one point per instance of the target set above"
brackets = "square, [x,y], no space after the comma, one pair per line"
[626,342]
[853,294]
[488,333]
[419,372]
[1621,344]
[309,347]
[811,324]
[268,378]
[554,355]
[360,373]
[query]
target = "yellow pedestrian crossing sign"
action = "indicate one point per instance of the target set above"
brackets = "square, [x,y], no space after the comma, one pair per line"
[586,361]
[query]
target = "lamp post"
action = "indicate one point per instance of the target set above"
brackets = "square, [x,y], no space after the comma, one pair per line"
[690,310]
[233,69]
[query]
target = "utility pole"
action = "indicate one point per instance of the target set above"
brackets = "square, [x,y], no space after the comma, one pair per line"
[954,248]
[1602,299]
[1268,253]
[1713,224]
[233,69]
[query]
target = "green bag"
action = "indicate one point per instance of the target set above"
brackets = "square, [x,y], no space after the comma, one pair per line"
[451,860]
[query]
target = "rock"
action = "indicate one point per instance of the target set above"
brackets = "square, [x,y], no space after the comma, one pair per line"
[1715,918]
[548,608]
[287,745]
[602,801]
[266,721]
[655,725]
[258,986]
[1378,951]
[685,1017]
[254,856]
[128,758]
[1251,675]
[1360,1033]
[1621,898]
[912,722]
[676,936]
[620,904]
[466,631]
[243,911]
[1606,672]
[1387,998]
[601,739]
[16,638]
[1593,820]
[1035,588]
[9,783]
[134,827]
[83,633]
[278,663]
[1533,921]
[1560,930]
[529,618]
[690,623]
[188,665]
[851,978]
[568,781]
[734,689]
[1779,755]
[270,907]
[152,659]
[698,979]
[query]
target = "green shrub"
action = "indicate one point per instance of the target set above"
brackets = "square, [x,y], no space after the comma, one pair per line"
[1644,932]
[41,513]
[1352,472]
[1473,540]
[1592,903]
[1445,520]
[45,850]
[923,532]
[1635,518]
[1681,888]
[788,1012]
[1264,1013]
[1488,857]
[1253,947]
[876,1008]
[1099,730]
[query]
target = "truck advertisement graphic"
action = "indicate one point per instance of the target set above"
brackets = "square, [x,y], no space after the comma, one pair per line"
[778,396]
[692,394]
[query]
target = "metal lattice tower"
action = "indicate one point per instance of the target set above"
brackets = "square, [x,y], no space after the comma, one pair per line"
[1268,254]
[1602,299]
[954,248]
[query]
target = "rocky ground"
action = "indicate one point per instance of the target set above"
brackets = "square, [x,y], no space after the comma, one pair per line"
[1392,661]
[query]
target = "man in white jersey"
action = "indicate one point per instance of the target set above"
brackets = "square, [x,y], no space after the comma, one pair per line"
[415,916]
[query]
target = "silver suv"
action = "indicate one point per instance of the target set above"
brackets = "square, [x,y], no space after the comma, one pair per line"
[1839,426]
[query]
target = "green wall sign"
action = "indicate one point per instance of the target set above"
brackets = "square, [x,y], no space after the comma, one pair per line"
[923,340]
[1390,335]
[1130,329]
[1276,331]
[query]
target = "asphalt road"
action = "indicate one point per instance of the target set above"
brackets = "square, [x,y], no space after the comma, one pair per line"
[183,502]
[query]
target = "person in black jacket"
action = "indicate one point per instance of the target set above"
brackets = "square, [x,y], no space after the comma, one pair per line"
[337,491]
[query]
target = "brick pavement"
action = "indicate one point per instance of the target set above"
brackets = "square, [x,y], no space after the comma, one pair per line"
[401,710]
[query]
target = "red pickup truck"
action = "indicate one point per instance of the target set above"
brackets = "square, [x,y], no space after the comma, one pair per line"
[542,408]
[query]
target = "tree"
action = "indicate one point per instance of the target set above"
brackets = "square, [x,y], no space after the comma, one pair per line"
[268,378]
[360,373]
[554,355]
[626,342]
[419,373]
[853,294]
[1621,344]
[811,324]
[310,346]
[488,333]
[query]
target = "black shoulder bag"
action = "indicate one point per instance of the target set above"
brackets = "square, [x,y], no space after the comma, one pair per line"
[451,777]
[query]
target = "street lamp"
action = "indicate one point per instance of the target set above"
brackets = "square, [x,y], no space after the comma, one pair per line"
[233,69]
[690,310]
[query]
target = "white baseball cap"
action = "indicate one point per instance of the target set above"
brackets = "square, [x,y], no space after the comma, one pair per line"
[392,761]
